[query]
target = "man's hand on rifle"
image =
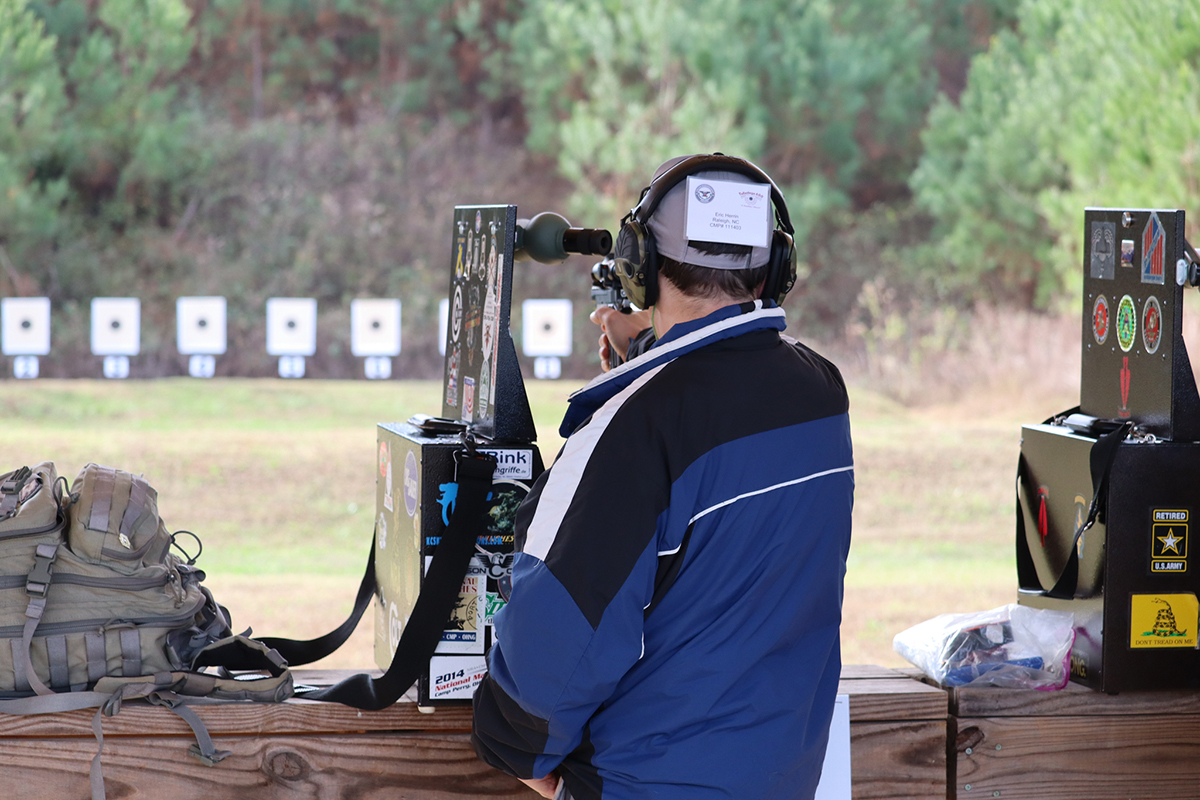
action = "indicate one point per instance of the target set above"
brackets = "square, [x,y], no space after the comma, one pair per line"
[618,331]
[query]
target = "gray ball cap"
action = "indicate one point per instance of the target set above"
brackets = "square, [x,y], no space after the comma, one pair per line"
[669,225]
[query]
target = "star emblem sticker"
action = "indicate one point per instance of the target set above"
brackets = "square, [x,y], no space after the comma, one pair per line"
[1170,542]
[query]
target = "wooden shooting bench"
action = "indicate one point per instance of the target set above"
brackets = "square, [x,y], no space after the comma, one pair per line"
[1074,743]
[303,749]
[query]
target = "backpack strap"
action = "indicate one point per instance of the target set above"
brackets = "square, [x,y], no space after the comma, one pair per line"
[37,584]
[10,491]
[439,592]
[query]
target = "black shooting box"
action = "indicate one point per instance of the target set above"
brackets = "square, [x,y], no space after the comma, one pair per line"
[483,403]
[1105,492]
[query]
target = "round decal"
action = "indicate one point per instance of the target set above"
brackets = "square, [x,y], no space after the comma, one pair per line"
[410,483]
[456,314]
[705,193]
[1100,319]
[1151,324]
[385,458]
[1126,323]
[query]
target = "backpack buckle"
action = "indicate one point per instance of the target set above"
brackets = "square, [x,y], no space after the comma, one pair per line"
[37,584]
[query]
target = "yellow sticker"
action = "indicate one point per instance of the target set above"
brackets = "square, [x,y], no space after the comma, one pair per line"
[1163,620]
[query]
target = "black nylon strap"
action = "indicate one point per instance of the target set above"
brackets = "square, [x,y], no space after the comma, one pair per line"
[439,593]
[1100,462]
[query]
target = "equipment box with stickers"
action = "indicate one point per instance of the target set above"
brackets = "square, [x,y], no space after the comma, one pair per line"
[484,410]
[1107,491]
[413,510]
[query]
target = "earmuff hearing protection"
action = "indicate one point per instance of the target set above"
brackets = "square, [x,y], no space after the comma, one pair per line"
[636,253]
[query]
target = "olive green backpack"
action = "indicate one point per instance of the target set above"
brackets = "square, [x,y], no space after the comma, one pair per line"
[95,608]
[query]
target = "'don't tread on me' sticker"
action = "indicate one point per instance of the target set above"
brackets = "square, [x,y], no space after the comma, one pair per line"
[1126,323]
[1163,620]
[1100,319]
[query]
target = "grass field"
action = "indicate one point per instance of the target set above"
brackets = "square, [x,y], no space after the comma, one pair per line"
[277,478]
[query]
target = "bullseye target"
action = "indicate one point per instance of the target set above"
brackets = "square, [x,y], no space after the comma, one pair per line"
[25,326]
[291,326]
[200,325]
[116,326]
[375,327]
[546,327]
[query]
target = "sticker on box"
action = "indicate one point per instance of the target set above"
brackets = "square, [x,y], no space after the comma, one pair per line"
[512,464]
[468,407]
[453,678]
[1151,325]
[1154,245]
[1169,541]
[1100,319]
[464,631]
[1126,323]
[1163,620]
[1127,252]
[1104,257]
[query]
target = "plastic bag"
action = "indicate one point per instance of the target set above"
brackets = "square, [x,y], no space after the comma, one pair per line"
[1012,646]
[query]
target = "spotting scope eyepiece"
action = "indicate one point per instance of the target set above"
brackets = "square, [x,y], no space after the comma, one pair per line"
[549,238]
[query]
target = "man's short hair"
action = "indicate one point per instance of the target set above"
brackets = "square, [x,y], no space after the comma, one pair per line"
[710,283]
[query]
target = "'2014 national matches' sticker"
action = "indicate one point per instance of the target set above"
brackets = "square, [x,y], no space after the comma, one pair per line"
[1126,323]
[1151,324]
[1100,319]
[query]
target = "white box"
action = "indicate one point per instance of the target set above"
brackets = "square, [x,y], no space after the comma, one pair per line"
[116,326]
[375,327]
[25,326]
[291,326]
[200,326]
[546,327]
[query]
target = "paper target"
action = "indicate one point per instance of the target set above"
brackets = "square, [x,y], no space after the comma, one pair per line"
[291,326]
[25,326]
[116,326]
[200,326]
[375,327]
[546,327]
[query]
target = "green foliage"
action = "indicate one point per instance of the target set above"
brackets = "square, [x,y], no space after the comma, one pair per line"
[95,138]
[1089,102]
[828,96]
[31,98]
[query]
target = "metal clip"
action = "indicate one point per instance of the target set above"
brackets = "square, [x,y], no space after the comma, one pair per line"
[216,757]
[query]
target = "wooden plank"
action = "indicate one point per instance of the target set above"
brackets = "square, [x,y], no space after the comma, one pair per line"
[254,719]
[898,760]
[893,699]
[372,767]
[1067,758]
[1073,700]
[851,672]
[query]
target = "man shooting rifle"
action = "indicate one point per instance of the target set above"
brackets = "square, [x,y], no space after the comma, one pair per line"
[682,642]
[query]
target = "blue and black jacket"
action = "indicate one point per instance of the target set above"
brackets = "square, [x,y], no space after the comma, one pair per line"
[673,625]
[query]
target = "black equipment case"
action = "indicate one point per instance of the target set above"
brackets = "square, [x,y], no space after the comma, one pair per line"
[1108,492]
